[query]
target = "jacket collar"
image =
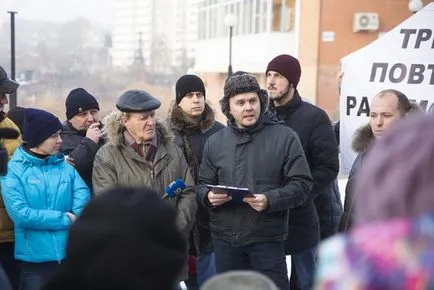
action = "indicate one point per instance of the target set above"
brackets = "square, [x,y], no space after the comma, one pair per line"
[292,105]
[25,157]
[179,121]
[113,130]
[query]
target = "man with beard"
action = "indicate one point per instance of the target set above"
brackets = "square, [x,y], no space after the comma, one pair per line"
[314,128]
[193,122]
[81,133]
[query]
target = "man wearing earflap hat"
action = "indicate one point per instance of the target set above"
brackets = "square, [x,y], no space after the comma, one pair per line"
[315,130]
[140,152]
[256,152]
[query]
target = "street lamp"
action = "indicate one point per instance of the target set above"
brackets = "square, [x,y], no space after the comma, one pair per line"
[13,96]
[415,5]
[230,21]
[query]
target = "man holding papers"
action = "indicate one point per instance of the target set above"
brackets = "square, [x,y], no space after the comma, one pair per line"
[256,152]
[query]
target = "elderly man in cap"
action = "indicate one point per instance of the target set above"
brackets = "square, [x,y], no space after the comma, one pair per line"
[10,265]
[81,133]
[140,152]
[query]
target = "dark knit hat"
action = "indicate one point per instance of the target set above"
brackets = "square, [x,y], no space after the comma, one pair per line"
[187,84]
[124,239]
[286,65]
[16,114]
[238,83]
[79,100]
[38,126]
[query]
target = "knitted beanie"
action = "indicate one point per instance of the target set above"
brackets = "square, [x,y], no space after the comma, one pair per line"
[187,84]
[238,83]
[39,125]
[79,100]
[288,66]
[124,239]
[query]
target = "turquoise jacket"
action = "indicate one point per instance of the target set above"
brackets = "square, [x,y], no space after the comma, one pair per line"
[38,193]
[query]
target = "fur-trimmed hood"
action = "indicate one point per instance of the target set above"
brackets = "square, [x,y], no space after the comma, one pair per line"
[113,130]
[362,139]
[179,121]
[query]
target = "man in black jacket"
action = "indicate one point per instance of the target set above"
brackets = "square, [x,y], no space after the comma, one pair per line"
[81,133]
[314,128]
[256,152]
[193,122]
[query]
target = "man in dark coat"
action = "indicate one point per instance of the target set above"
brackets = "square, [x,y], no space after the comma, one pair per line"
[256,152]
[314,128]
[386,107]
[193,122]
[81,133]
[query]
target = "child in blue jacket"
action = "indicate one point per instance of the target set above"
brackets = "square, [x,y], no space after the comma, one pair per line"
[43,195]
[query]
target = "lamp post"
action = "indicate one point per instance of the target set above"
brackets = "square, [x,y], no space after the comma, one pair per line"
[230,21]
[13,96]
[415,5]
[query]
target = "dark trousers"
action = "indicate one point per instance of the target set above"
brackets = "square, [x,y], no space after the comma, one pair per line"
[303,267]
[266,258]
[35,275]
[10,265]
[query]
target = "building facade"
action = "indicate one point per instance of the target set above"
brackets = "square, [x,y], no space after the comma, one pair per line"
[156,34]
[318,32]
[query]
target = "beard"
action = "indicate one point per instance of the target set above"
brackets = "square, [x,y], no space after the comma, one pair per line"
[278,97]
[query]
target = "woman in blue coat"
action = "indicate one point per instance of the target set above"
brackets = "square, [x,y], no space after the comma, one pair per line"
[43,195]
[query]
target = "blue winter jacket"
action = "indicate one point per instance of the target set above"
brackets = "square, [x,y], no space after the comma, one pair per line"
[37,194]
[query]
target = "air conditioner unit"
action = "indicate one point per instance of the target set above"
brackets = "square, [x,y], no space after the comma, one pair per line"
[366,22]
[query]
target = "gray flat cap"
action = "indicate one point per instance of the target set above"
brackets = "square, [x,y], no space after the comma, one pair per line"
[137,101]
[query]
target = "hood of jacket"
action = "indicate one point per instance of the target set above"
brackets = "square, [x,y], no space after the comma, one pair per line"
[362,139]
[179,121]
[113,130]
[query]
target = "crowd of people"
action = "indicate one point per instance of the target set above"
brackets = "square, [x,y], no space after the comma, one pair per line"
[132,201]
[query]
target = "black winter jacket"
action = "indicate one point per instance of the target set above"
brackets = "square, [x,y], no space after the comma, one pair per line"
[191,138]
[266,158]
[315,130]
[362,139]
[81,149]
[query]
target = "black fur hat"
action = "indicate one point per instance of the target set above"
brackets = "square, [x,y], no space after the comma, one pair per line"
[238,83]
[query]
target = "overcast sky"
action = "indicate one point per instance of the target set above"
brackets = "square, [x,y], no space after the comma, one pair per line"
[100,11]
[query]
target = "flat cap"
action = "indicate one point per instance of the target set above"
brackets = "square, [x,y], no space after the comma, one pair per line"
[137,101]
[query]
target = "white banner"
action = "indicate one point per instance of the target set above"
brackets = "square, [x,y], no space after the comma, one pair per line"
[402,59]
